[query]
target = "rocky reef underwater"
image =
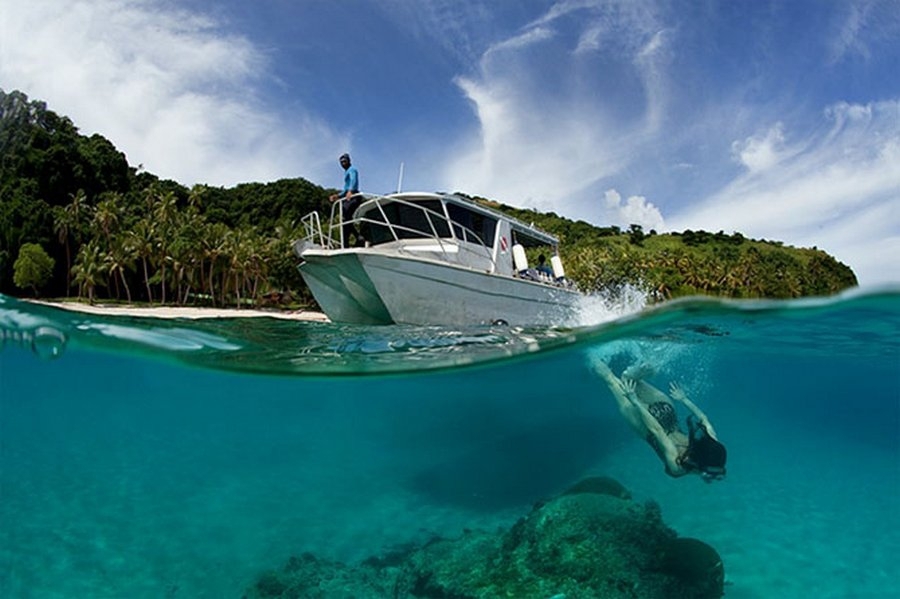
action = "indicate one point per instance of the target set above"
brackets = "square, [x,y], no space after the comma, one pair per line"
[591,541]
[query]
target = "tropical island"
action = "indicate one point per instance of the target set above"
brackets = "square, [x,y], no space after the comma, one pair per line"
[76,219]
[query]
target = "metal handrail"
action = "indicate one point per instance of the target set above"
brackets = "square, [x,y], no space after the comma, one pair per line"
[452,226]
[329,239]
[312,228]
[336,222]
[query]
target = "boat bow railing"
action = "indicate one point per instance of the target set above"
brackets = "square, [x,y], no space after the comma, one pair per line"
[315,236]
[451,240]
[454,242]
[332,236]
[312,229]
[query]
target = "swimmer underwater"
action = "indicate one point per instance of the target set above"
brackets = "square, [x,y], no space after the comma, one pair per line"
[651,413]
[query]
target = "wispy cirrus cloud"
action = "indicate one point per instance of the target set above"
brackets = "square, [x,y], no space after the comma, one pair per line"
[543,137]
[549,143]
[861,26]
[461,29]
[172,84]
[839,189]
[612,111]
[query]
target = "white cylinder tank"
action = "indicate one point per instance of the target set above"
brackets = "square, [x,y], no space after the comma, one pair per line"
[558,270]
[519,259]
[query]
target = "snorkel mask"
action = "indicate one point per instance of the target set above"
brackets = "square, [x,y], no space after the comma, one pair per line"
[712,473]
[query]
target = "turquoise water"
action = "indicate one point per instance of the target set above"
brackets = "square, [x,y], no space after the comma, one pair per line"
[154,458]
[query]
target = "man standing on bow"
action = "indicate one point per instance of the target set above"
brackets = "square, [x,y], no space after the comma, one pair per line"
[350,200]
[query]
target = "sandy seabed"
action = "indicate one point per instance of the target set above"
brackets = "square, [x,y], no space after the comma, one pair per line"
[185,312]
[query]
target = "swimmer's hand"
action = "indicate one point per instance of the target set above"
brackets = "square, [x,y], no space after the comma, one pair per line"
[676,392]
[628,386]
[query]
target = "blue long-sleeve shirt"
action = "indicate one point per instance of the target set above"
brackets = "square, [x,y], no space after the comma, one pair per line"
[351,181]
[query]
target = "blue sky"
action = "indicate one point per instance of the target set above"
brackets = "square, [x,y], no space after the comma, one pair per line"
[778,119]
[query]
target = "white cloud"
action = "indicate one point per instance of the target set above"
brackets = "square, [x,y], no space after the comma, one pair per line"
[635,210]
[563,8]
[837,188]
[543,135]
[167,86]
[868,240]
[650,62]
[591,95]
[459,28]
[840,192]
[524,40]
[861,27]
[521,156]
[592,38]
[760,152]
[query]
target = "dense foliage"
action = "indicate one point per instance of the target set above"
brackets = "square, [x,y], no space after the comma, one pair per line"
[115,232]
[689,263]
[118,233]
[33,268]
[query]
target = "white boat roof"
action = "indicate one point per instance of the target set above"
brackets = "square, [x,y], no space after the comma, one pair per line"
[538,236]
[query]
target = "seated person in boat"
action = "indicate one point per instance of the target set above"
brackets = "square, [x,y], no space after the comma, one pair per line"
[651,413]
[543,267]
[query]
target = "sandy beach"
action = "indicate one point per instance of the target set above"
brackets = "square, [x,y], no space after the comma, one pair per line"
[184,312]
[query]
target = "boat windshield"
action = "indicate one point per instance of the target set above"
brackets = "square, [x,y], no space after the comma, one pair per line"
[426,219]
[466,222]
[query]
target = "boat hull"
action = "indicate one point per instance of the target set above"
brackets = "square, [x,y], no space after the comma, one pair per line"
[369,287]
[342,288]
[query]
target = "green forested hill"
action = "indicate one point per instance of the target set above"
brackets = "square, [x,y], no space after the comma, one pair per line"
[114,232]
[118,233]
[693,262]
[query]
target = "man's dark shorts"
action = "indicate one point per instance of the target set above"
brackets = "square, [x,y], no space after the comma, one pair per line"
[348,207]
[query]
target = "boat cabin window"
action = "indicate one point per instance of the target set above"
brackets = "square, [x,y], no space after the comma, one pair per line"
[466,221]
[409,221]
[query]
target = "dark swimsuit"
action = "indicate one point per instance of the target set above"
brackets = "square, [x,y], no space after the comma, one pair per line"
[665,415]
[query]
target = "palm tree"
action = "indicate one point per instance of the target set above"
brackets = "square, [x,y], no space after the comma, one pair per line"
[188,247]
[165,212]
[120,256]
[196,252]
[69,224]
[107,217]
[62,225]
[80,214]
[750,274]
[257,269]
[142,239]
[237,251]
[105,225]
[88,270]
[195,199]
[186,253]
[215,244]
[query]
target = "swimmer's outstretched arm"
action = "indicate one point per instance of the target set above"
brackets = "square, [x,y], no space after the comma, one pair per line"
[678,395]
[615,384]
[625,400]
[601,368]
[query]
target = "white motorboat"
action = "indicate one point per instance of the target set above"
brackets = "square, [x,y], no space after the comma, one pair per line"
[433,259]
